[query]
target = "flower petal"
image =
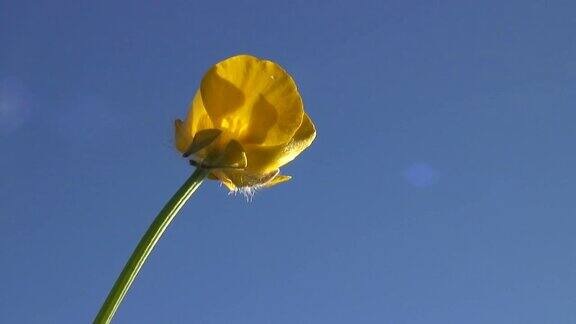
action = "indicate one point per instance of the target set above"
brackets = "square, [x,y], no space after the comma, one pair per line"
[256,100]
[224,180]
[182,136]
[242,179]
[264,159]
[196,120]
[277,180]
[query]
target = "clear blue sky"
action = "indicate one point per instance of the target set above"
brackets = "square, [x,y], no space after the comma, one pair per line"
[440,189]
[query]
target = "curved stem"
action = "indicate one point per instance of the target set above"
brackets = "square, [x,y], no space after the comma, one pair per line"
[146,245]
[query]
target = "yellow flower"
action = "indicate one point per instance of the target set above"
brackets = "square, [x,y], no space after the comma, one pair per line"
[245,122]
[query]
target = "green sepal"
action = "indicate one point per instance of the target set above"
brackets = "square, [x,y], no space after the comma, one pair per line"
[201,140]
[234,156]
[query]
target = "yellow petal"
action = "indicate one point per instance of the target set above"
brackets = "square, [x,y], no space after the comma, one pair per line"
[264,159]
[229,185]
[243,179]
[182,136]
[225,181]
[235,180]
[218,174]
[196,120]
[254,100]
[277,180]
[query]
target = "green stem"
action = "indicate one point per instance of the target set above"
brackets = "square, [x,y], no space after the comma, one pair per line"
[146,245]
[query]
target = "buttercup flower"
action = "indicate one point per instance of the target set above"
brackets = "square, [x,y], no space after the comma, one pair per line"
[245,122]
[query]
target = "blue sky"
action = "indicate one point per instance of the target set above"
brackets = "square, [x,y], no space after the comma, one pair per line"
[440,188]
